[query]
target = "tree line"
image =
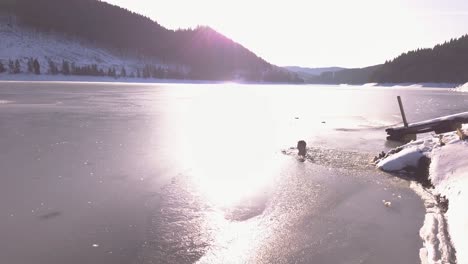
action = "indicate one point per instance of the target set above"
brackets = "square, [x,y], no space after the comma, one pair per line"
[14,67]
[444,63]
[447,62]
[33,66]
[273,74]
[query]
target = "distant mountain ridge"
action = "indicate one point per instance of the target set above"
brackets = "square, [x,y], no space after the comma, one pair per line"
[313,71]
[204,52]
[346,76]
[311,75]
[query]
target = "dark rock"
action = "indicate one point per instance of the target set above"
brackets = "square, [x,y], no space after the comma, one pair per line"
[422,172]
[443,203]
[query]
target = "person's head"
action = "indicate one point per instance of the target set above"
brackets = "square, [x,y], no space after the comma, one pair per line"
[301,146]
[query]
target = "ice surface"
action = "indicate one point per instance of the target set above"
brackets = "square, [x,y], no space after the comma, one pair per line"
[326,211]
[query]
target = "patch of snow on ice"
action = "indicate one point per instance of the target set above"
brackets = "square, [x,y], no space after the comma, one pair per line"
[406,158]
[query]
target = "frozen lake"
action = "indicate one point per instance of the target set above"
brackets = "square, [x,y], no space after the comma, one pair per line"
[181,173]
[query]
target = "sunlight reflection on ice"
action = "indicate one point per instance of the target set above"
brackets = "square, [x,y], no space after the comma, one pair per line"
[226,169]
[233,241]
[228,186]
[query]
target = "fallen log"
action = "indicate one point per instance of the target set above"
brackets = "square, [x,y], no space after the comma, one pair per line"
[438,125]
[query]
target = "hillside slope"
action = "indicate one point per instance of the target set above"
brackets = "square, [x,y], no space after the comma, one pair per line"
[22,44]
[204,52]
[444,63]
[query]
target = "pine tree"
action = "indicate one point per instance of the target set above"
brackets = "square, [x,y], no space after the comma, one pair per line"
[160,73]
[2,67]
[65,67]
[53,67]
[146,72]
[36,67]
[123,72]
[30,65]
[17,68]
[111,72]
[73,69]
[11,66]
[94,71]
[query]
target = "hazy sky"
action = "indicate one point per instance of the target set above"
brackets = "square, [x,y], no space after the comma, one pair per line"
[316,33]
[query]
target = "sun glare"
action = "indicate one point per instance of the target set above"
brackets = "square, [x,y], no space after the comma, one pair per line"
[316,33]
[226,161]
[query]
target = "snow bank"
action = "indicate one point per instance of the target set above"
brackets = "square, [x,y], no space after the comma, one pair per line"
[406,158]
[434,232]
[25,77]
[462,88]
[418,85]
[448,173]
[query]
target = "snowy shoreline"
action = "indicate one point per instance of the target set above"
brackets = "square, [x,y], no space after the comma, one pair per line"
[116,80]
[414,85]
[92,79]
[23,77]
[461,88]
[448,175]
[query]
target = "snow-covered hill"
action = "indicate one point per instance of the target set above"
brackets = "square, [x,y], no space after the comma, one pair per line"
[57,53]
[23,43]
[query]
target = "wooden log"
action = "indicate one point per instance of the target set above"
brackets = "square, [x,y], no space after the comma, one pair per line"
[439,125]
[402,111]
